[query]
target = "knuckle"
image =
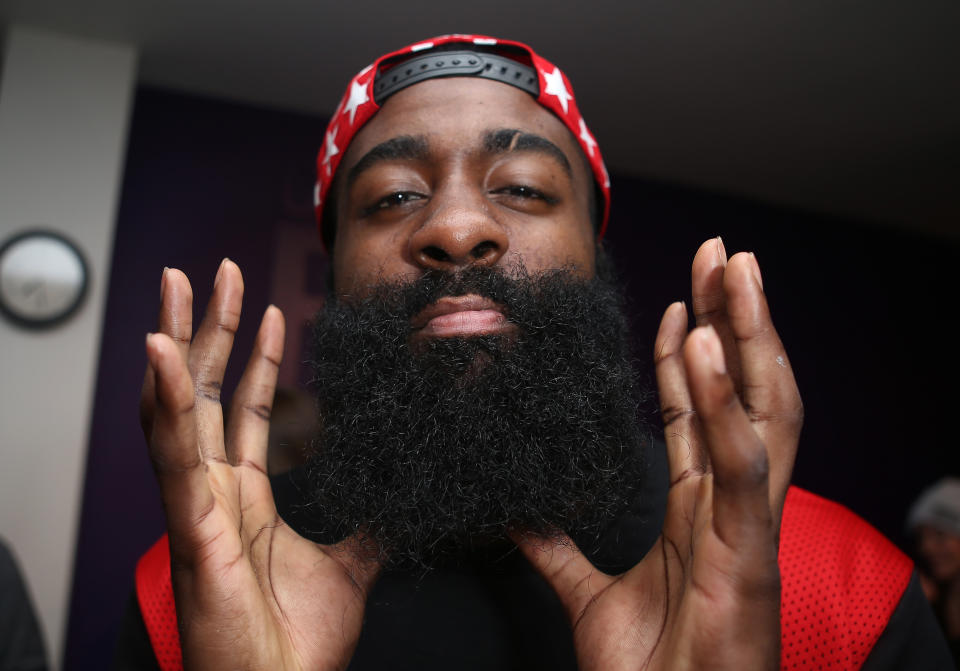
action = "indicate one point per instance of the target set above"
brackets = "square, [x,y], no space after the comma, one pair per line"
[700,467]
[791,417]
[708,306]
[172,405]
[666,349]
[751,328]
[209,390]
[166,466]
[228,320]
[676,413]
[260,410]
[249,463]
[271,359]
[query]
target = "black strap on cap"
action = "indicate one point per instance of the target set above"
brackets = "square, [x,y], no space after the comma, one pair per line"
[454,64]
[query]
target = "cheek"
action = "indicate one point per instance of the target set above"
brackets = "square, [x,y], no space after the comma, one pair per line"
[571,246]
[363,261]
[952,548]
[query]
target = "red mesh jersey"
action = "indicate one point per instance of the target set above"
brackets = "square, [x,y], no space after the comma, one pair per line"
[155,595]
[841,581]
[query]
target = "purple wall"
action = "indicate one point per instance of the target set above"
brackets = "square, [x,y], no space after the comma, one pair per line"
[203,180]
[866,314]
[868,317]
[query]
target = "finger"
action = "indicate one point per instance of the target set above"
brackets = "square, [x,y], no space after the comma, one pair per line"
[571,575]
[770,394]
[741,504]
[209,354]
[686,453]
[175,319]
[180,471]
[709,299]
[249,425]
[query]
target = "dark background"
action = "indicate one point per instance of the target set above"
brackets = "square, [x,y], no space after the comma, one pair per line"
[867,315]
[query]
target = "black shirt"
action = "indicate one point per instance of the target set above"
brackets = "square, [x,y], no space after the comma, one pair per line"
[498,614]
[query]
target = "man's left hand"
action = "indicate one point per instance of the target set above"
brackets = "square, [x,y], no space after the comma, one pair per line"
[707,595]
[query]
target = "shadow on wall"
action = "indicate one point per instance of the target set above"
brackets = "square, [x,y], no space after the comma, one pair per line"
[863,313]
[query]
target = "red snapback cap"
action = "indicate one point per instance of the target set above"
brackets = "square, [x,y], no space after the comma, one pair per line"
[507,61]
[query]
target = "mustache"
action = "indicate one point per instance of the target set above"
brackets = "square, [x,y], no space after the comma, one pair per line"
[506,286]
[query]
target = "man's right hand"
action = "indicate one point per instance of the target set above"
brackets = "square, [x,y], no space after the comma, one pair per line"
[250,592]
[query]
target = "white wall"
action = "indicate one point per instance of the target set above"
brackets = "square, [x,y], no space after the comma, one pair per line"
[64,109]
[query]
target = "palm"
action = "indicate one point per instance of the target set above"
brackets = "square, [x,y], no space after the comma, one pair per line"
[707,594]
[250,592]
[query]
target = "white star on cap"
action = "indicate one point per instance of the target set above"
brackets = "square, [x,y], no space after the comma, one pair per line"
[358,96]
[556,87]
[330,149]
[587,138]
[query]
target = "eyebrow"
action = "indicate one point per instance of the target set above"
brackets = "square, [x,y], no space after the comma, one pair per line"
[400,148]
[510,139]
[416,147]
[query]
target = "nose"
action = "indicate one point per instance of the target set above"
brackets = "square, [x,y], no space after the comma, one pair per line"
[459,231]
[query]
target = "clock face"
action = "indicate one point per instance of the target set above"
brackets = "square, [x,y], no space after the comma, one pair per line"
[43,278]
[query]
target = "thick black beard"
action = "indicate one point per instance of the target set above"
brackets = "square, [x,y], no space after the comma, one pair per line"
[437,449]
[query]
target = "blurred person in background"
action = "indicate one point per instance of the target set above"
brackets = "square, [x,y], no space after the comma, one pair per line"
[934,520]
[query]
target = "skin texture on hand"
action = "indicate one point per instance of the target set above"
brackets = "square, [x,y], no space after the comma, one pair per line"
[250,592]
[707,595]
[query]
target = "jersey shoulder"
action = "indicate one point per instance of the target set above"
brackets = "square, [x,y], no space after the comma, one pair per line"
[841,581]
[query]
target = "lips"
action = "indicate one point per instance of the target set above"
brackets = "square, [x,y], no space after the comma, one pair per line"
[461,316]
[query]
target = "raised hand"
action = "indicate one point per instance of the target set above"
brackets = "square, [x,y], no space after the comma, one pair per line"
[250,592]
[707,595]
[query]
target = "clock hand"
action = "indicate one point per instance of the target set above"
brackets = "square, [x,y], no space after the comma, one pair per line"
[30,287]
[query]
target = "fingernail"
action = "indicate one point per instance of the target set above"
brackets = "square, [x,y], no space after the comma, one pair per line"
[163,281]
[721,251]
[710,345]
[216,280]
[756,270]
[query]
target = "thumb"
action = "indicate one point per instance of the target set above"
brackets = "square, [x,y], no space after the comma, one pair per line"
[557,558]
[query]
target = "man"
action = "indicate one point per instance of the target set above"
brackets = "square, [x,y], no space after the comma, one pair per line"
[462,197]
[934,521]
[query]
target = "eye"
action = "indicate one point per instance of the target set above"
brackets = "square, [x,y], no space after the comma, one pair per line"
[521,191]
[524,192]
[392,200]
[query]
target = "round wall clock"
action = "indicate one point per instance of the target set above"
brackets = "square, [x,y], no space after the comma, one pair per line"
[43,278]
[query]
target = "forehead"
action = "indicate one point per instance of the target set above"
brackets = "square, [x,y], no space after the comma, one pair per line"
[455,113]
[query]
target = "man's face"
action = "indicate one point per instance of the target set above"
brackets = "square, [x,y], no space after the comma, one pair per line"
[464,227]
[457,172]
[941,551]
